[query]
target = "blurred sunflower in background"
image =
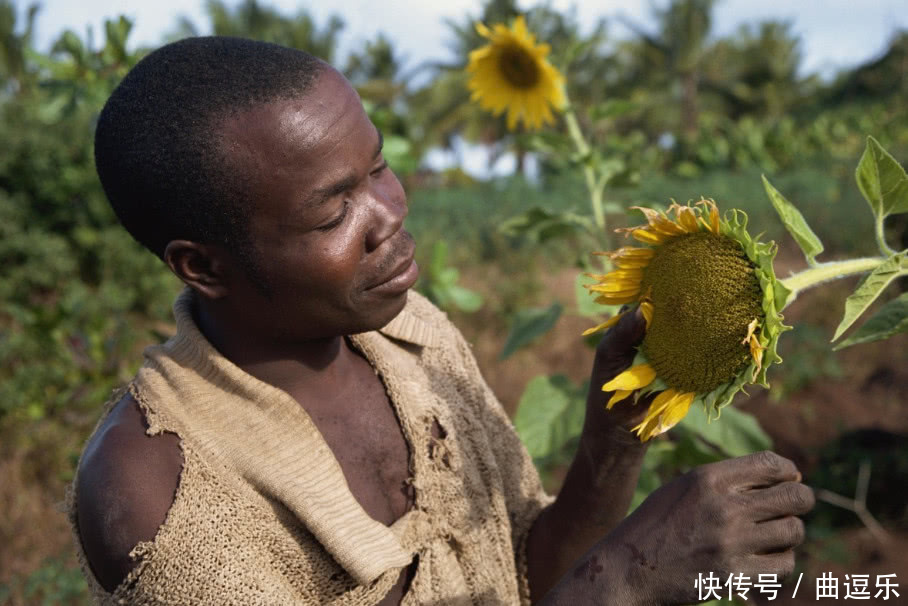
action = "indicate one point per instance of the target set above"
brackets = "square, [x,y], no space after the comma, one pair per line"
[512,73]
[711,302]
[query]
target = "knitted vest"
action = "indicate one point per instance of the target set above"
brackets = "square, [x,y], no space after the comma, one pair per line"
[263,513]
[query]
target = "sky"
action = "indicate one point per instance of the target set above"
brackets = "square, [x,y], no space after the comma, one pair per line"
[835,33]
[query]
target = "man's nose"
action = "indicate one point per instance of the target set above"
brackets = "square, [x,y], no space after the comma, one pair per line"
[390,210]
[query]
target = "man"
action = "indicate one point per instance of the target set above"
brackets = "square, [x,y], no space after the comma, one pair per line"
[317,433]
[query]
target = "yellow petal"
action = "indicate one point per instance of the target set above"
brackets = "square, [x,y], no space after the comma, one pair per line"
[756,350]
[616,299]
[646,309]
[660,223]
[626,288]
[632,251]
[607,324]
[713,224]
[687,218]
[617,397]
[648,237]
[631,263]
[676,410]
[634,377]
[645,430]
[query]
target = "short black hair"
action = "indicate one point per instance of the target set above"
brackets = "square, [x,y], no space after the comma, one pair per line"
[157,147]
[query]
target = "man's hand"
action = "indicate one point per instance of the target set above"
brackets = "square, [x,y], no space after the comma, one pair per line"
[735,516]
[614,354]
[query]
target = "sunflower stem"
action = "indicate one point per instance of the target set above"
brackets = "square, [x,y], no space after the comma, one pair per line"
[594,186]
[824,272]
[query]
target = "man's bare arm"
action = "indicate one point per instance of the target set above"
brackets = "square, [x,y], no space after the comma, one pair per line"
[126,484]
[600,483]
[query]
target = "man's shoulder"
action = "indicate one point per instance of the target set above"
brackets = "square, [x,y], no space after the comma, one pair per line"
[125,485]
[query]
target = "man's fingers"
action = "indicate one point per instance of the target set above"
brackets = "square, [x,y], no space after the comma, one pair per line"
[781,564]
[617,348]
[778,535]
[762,469]
[779,500]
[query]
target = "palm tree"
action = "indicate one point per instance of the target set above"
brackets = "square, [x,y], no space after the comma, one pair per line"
[14,72]
[250,19]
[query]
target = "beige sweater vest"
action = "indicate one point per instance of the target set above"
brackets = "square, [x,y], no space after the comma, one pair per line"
[263,513]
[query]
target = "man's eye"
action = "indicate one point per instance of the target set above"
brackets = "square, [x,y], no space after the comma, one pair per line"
[380,169]
[336,220]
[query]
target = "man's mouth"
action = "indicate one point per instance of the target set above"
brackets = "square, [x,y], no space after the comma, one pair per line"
[404,273]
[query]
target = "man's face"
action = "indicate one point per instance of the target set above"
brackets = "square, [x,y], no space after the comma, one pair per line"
[328,216]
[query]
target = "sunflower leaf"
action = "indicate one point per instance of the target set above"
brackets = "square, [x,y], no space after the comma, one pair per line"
[550,413]
[882,180]
[890,320]
[737,434]
[528,325]
[794,222]
[867,292]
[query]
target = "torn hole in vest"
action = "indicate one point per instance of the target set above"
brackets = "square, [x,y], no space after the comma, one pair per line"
[437,445]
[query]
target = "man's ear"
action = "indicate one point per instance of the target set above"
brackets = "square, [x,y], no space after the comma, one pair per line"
[200,266]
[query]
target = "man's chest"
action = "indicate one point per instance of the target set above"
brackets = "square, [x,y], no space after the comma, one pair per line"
[365,436]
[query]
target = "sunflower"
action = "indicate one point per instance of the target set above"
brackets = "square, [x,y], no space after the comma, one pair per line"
[711,303]
[512,73]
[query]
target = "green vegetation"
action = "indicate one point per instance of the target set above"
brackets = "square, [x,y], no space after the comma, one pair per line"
[678,114]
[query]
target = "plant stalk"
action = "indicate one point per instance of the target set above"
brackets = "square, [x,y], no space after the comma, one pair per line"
[584,149]
[824,272]
[881,236]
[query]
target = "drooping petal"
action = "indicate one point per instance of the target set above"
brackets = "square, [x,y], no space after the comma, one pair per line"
[634,377]
[616,299]
[649,424]
[646,308]
[625,287]
[607,324]
[619,395]
[676,410]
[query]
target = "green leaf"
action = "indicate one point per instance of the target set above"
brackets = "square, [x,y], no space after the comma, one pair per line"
[464,298]
[890,320]
[882,180]
[586,303]
[550,413]
[528,325]
[439,259]
[794,222]
[539,224]
[735,433]
[867,292]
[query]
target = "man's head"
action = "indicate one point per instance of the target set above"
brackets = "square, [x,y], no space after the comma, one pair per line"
[157,146]
[255,173]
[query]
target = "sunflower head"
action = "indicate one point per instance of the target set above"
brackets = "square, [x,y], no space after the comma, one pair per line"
[512,73]
[711,303]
